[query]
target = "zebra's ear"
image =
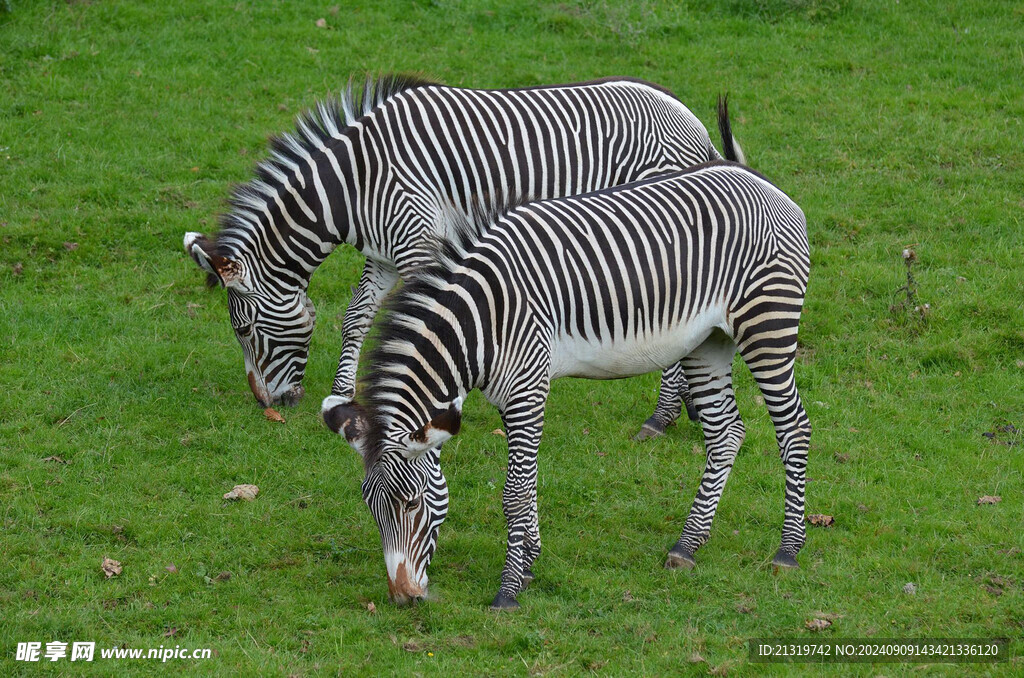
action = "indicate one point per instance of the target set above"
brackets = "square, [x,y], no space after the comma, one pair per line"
[436,431]
[225,271]
[347,419]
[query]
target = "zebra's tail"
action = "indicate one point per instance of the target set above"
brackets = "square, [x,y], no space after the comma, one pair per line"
[730,146]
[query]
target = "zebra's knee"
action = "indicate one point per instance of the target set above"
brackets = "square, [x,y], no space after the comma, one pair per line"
[793,445]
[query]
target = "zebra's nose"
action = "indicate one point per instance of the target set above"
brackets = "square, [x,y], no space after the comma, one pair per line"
[292,396]
[259,391]
[402,588]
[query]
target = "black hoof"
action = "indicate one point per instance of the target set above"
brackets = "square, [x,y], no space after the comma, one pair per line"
[503,602]
[691,412]
[527,577]
[652,428]
[785,561]
[680,559]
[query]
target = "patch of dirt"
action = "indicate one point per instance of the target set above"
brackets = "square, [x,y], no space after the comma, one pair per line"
[1004,433]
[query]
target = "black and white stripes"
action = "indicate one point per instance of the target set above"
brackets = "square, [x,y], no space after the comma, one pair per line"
[690,267]
[384,171]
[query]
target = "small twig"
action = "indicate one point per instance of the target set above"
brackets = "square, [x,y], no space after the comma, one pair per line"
[68,418]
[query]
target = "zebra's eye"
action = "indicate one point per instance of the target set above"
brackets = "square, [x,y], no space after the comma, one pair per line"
[412,504]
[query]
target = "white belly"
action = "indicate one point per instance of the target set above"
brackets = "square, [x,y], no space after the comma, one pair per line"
[573,356]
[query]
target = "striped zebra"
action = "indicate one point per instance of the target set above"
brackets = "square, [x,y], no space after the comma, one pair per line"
[383,170]
[690,267]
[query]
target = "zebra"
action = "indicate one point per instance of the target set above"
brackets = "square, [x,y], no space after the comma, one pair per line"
[385,169]
[691,267]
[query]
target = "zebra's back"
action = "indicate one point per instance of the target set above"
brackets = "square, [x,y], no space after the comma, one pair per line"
[628,280]
[470,149]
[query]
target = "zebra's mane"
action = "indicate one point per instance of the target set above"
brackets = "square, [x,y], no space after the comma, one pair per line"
[429,285]
[321,125]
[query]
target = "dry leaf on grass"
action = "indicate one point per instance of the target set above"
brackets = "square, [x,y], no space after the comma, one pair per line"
[57,460]
[498,432]
[371,608]
[412,646]
[171,568]
[696,658]
[111,568]
[321,23]
[17,269]
[989,500]
[243,492]
[820,520]
[273,415]
[170,632]
[817,624]
[71,246]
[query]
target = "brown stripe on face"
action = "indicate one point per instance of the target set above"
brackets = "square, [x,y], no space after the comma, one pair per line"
[403,587]
[261,395]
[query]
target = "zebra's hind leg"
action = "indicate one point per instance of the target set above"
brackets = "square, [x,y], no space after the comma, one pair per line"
[772,368]
[709,369]
[672,396]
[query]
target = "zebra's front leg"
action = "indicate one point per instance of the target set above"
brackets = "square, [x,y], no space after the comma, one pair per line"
[531,548]
[673,394]
[709,370]
[519,502]
[376,281]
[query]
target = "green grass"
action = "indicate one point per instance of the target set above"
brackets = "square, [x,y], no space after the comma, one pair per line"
[123,125]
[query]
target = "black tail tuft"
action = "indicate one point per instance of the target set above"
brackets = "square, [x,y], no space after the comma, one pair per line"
[730,146]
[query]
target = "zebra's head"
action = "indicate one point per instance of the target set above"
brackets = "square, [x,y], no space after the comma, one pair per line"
[274,324]
[404,489]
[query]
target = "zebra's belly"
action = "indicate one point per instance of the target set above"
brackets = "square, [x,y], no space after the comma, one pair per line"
[593,358]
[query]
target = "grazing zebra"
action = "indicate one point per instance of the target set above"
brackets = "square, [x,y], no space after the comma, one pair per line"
[384,170]
[692,266]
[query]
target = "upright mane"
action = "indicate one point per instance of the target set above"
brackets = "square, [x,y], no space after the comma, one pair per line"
[321,125]
[426,287]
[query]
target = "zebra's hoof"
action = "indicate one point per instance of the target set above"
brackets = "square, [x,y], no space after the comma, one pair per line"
[691,412]
[504,602]
[652,428]
[527,578]
[784,561]
[680,559]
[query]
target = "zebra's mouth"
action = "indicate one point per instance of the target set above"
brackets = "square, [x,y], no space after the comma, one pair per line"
[292,396]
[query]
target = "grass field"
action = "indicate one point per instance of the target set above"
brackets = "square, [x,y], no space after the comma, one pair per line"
[123,125]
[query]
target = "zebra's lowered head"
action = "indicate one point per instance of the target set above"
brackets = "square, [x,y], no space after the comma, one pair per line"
[274,325]
[404,487]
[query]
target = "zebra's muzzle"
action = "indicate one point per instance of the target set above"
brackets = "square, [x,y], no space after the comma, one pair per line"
[402,589]
[292,396]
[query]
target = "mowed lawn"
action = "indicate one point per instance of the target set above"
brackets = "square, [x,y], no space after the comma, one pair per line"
[125,413]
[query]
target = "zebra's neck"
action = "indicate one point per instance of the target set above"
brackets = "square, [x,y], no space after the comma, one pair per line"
[426,357]
[305,201]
